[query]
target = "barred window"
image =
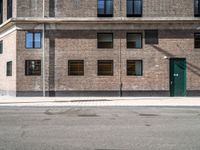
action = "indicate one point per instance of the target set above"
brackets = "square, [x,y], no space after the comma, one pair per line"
[134,67]
[76,67]
[105,67]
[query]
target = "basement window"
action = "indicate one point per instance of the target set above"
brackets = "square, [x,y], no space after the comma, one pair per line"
[105,40]
[105,67]
[197,40]
[134,67]
[134,40]
[105,8]
[76,67]
[9,68]
[33,40]
[33,67]
[151,36]
[134,8]
[1,47]
[197,8]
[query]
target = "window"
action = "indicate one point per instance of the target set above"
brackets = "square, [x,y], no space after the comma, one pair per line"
[9,68]
[1,11]
[105,40]
[33,67]
[197,40]
[75,67]
[33,39]
[105,67]
[1,47]
[134,40]
[134,67]
[151,37]
[9,9]
[105,8]
[197,8]
[134,8]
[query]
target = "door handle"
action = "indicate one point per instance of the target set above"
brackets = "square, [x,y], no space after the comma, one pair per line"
[176,74]
[171,82]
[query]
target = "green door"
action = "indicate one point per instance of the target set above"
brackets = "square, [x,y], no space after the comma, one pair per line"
[178,77]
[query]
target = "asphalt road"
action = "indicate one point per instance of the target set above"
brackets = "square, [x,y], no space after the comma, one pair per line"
[99,128]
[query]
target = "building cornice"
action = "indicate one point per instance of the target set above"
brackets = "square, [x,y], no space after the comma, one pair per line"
[7,24]
[107,20]
[77,21]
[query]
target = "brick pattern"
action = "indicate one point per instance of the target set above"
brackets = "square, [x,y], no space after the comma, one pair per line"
[168,8]
[82,44]
[27,82]
[88,8]
[29,8]
[65,41]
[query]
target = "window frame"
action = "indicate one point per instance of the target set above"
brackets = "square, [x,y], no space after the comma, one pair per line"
[99,42]
[147,37]
[134,60]
[9,9]
[134,15]
[195,40]
[140,39]
[104,15]
[1,12]
[9,71]
[33,42]
[27,71]
[1,47]
[70,73]
[196,14]
[101,74]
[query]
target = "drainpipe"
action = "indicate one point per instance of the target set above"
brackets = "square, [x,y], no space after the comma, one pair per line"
[120,53]
[120,70]
[43,50]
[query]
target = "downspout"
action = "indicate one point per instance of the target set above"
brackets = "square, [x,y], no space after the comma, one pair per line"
[43,50]
[120,53]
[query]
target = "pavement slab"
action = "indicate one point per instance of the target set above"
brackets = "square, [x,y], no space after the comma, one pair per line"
[100,101]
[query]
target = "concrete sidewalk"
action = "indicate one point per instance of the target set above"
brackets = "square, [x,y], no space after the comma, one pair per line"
[100,101]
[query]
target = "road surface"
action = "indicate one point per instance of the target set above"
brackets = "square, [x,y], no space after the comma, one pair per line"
[99,128]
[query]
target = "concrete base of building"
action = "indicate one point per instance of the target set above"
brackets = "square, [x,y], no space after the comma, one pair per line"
[193,93]
[69,93]
[145,93]
[7,93]
[101,93]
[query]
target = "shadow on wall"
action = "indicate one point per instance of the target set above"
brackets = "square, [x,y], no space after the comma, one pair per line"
[194,69]
[51,64]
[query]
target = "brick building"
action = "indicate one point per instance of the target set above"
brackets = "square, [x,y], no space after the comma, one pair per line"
[100,47]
